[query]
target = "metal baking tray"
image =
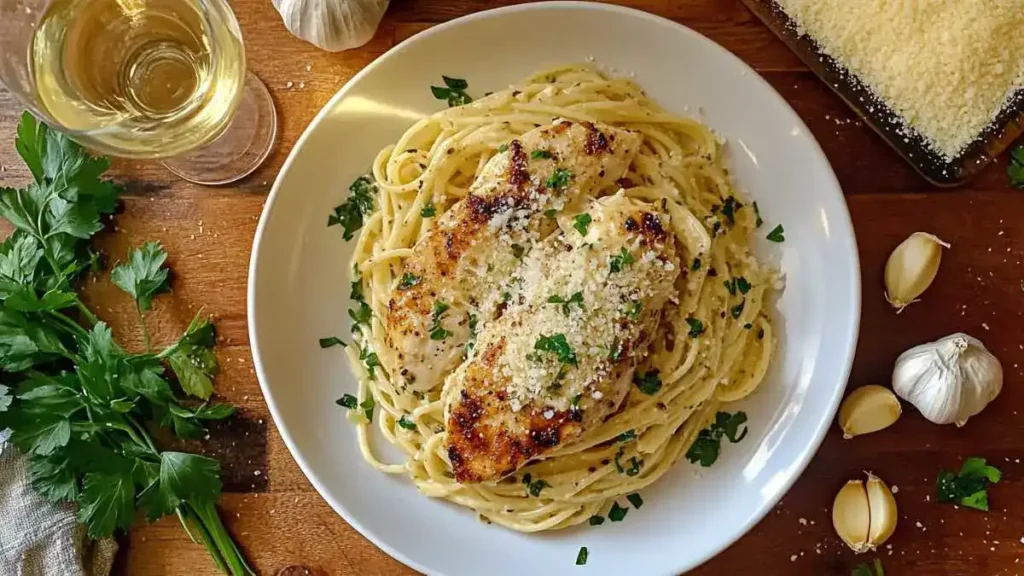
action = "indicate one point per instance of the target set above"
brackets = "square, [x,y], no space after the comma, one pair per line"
[996,138]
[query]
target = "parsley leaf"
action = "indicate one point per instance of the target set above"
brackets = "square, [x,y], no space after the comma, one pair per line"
[777,234]
[729,209]
[559,179]
[437,332]
[649,382]
[350,213]
[535,487]
[550,213]
[627,436]
[969,486]
[635,500]
[429,211]
[596,520]
[537,154]
[736,310]
[503,147]
[581,222]
[634,308]
[453,91]
[621,260]
[708,444]
[192,358]
[757,214]
[1015,169]
[576,298]
[144,275]
[617,513]
[558,345]
[518,250]
[331,341]
[696,327]
[696,264]
[361,315]
[408,281]
[348,401]
[406,422]
[107,502]
[581,556]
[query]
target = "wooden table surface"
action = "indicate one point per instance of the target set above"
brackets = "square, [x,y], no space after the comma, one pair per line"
[281,521]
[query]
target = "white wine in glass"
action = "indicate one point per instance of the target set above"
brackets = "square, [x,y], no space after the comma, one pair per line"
[144,79]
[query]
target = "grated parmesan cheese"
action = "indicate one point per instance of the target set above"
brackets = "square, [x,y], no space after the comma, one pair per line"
[946,67]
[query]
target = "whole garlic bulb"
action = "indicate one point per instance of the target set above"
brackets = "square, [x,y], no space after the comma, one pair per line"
[332,25]
[948,380]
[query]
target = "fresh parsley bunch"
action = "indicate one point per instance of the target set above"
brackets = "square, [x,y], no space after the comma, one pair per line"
[82,408]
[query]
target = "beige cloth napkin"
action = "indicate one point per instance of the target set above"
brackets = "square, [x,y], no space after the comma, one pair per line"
[39,538]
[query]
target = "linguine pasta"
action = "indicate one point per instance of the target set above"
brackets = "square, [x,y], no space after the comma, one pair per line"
[714,341]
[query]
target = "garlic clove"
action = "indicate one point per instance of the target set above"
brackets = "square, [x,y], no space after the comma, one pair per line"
[851,516]
[868,409]
[911,268]
[882,509]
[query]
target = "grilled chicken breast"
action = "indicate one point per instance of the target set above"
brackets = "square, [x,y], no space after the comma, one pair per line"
[459,274]
[560,359]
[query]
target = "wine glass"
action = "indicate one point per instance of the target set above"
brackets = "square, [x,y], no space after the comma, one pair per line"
[141,79]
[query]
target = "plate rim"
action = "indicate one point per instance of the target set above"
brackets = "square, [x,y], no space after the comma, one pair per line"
[805,455]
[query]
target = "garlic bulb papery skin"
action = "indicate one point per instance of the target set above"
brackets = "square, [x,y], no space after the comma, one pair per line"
[332,25]
[948,380]
[911,268]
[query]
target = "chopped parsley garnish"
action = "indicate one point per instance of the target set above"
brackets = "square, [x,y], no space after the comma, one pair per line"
[649,382]
[356,292]
[408,281]
[729,209]
[757,214]
[708,445]
[627,436]
[969,486]
[576,298]
[581,222]
[617,513]
[349,214]
[715,228]
[621,260]
[696,264]
[406,422]
[453,91]
[575,400]
[436,331]
[615,352]
[581,558]
[634,308]
[429,211]
[518,251]
[1016,168]
[559,179]
[370,360]
[696,327]
[361,315]
[635,500]
[348,401]
[737,284]
[634,464]
[550,213]
[535,487]
[557,345]
[540,154]
[503,147]
[596,520]
[748,326]
[777,234]
[865,569]
[368,406]
[331,341]
[737,309]
[506,296]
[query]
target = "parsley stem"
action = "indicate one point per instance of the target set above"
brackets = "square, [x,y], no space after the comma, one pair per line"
[86,312]
[188,516]
[145,331]
[67,323]
[221,541]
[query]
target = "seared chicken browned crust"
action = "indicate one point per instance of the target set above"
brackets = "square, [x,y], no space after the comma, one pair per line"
[560,358]
[461,272]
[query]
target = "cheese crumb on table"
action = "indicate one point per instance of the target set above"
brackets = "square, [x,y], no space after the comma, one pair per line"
[946,67]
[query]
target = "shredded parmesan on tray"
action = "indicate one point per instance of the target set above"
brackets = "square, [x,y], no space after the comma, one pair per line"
[947,67]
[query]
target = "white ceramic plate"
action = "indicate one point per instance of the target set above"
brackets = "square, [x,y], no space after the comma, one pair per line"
[298,291]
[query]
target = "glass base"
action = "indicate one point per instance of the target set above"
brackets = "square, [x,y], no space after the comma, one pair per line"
[242,147]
